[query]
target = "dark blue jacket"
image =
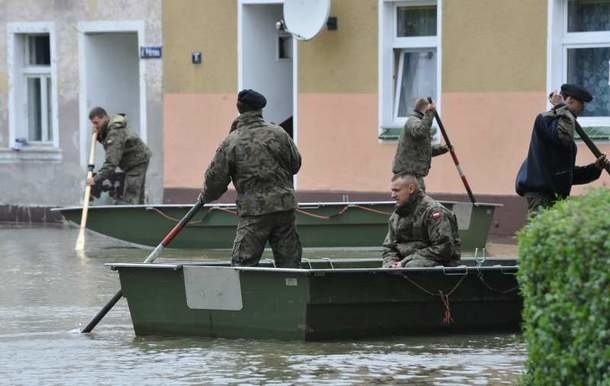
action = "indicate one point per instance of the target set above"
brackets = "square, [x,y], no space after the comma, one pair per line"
[550,164]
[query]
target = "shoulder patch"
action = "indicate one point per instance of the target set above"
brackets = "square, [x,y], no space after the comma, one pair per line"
[436,215]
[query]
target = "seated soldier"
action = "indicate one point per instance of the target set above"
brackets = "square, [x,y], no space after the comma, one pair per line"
[421,232]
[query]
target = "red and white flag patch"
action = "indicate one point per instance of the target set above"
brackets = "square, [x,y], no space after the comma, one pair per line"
[436,215]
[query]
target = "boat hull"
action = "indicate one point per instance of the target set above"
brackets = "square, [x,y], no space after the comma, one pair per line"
[319,225]
[353,299]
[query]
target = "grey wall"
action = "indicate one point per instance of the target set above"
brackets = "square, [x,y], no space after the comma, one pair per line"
[59,180]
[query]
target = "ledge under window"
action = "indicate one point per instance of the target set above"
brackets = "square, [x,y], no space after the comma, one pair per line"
[30,154]
[390,133]
[597,133]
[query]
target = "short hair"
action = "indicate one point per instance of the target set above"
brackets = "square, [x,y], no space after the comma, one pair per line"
[406,177]
[421,103]
[97,112]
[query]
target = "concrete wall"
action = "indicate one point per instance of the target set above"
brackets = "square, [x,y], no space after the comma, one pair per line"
[59,179]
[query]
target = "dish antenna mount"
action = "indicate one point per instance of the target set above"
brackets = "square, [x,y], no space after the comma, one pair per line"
[304,18]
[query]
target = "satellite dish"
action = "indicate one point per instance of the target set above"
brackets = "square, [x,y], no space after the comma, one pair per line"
[305,18]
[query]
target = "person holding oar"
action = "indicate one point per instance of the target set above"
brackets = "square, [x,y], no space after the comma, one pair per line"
[550,170]
[415,149]
[123,149]
[260,159]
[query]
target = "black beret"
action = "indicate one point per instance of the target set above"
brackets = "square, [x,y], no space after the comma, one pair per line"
[576,92]
[252,98]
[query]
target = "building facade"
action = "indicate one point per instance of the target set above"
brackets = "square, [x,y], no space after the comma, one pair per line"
[489,65]
[58,60]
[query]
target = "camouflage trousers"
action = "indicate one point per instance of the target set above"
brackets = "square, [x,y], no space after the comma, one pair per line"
[135,181]
[278,228]
[538,201]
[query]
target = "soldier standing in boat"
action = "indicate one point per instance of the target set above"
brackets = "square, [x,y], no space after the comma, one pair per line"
[124,150]
[421,231]
[549,171]
[415,149]
[261,160]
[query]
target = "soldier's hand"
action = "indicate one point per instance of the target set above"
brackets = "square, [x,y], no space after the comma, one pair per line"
[200,198]
[602,162]
[396,264]
[90,181]
[555,98]
[431,107]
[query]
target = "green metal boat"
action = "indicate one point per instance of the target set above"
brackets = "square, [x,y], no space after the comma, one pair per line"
[325,224]
[324,299]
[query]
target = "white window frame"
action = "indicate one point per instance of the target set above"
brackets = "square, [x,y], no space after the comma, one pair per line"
[558,43]
[388,42]
[18,72]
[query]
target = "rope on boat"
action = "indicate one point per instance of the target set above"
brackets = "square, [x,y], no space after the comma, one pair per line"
[447,317]
[174,219]
[342,211]
[502,292]
[234,213]
[373,210]
[203,217]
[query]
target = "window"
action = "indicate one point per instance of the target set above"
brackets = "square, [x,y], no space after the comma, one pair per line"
[579,44]
[409,66]
[32,110]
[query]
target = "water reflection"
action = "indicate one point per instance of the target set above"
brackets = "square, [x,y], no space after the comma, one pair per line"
[49,292]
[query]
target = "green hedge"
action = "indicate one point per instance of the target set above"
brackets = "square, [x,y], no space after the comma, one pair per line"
[564,275]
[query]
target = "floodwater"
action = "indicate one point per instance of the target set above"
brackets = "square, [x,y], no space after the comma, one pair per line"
[48,292]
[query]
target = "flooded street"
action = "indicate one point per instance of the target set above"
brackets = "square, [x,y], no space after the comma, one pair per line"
[49,292]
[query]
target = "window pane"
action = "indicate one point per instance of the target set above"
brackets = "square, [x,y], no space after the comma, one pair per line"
[34,110]
[416,21]
[589,67]
[417,78]
[588,15]
[39,50]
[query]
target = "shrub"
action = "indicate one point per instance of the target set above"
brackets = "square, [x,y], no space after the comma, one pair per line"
[564,276]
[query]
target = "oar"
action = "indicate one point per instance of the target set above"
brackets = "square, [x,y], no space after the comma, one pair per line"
[80,241]
[590,144]
[453,155]
[154,254]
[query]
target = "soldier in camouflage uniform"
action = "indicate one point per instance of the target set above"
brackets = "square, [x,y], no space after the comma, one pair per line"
[260,159]
[422,232]
[415,150]
[123,149]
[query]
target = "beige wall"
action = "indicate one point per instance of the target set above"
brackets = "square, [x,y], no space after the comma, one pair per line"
[208,26]
[199,99]
[344,60]
[493,46]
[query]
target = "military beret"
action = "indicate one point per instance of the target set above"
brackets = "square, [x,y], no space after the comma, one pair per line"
[576,92]
[252,98]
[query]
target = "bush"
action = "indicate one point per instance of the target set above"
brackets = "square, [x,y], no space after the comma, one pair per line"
[564,276]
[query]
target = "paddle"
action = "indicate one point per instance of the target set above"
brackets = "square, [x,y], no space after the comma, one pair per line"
[585,138]
[453,155]
[154,254]
[80,241]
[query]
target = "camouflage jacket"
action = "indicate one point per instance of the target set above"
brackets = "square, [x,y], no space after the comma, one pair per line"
[423,228]
[260,159]
[123,148]
[415,150]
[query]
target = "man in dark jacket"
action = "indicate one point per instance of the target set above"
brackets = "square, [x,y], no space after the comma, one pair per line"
[123,149]
[261,160]
[549,171]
